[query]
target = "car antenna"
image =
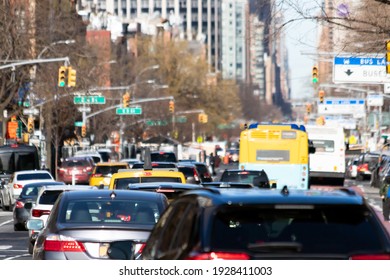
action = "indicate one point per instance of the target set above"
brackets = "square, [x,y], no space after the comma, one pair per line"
[147,159]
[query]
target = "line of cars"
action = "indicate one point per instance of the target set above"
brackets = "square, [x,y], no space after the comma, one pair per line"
[215,220]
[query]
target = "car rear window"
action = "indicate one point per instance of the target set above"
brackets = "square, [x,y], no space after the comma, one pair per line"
[162,156]
[187,171]
[49,197]
[154,165]
[75,163]
[123,183]
[248,177]
[202,168]
[34,176]
[110,211]
[108,170]
[320,229]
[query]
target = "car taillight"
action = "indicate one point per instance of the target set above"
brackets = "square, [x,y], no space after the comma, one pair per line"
[61,243]
[97,175]
[89,168]
[19,204]
[219,256]
[196,176]
[17,186]
[371,257]
[39,212]
[62,170]
[139,247]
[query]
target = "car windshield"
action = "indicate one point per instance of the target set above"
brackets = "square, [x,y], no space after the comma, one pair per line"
[110,212]
[336,229]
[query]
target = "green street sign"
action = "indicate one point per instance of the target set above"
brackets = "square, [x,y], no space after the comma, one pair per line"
[181,119]
[129,111]
[156,123]
[78,124]
[95,99]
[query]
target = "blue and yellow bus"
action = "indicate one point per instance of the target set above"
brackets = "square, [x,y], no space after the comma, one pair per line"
[281,150]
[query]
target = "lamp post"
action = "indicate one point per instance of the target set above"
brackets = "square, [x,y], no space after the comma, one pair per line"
[153,67]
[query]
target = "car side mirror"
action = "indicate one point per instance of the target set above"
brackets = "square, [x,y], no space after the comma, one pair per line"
[35,224]
[101,187]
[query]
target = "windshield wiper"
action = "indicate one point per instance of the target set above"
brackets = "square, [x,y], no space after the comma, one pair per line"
[276,247]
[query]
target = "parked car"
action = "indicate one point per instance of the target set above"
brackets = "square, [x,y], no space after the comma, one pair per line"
[103,171]
[242,224]
[41,208]
[23,204]
[11,191]
[76,170]
[83,224]
[258,178]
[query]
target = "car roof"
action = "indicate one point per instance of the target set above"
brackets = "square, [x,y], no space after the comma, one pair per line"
[43,184]
[119,194]
[112,163]
[277,196]
[67,187]
[31,172]
[165,185]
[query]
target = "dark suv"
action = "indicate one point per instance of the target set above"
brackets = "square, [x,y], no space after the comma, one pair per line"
[268,224]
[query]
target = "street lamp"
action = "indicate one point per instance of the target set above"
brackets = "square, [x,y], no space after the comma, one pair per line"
[66,42]
[153,67]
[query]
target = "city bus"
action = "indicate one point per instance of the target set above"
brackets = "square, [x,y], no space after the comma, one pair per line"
[327,164]
[281,150]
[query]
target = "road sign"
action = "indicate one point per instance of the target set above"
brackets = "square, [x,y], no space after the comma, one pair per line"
[375,99]
[84,109]
[78,124]
[369,69]
[181,119]
[31,111]
[129,111]
[346,106]
[87,99]
[156,123]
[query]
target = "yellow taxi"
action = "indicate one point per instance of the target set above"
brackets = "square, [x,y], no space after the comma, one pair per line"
[103,171]
[123,178]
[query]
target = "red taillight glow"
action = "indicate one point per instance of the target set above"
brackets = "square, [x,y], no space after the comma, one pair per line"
[19,204]
[18,186]
[97,175]
[219,256]
[39,212]
[371,257]
[88,168]
[60,243]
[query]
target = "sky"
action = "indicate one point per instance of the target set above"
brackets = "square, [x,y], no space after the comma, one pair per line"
[301,40]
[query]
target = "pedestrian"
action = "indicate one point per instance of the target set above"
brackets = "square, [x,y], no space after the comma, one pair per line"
[385,196]
[212,163]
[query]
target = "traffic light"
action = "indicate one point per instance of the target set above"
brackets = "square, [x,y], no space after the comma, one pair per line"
[388,57]
[321,96]
[30,125]
[202,118]
[126,100]
[71,77]
[315,74]
[308,108]
[171,106]
[83,130]
[62,71]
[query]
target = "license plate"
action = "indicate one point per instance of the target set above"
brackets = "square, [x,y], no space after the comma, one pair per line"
[103,250]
